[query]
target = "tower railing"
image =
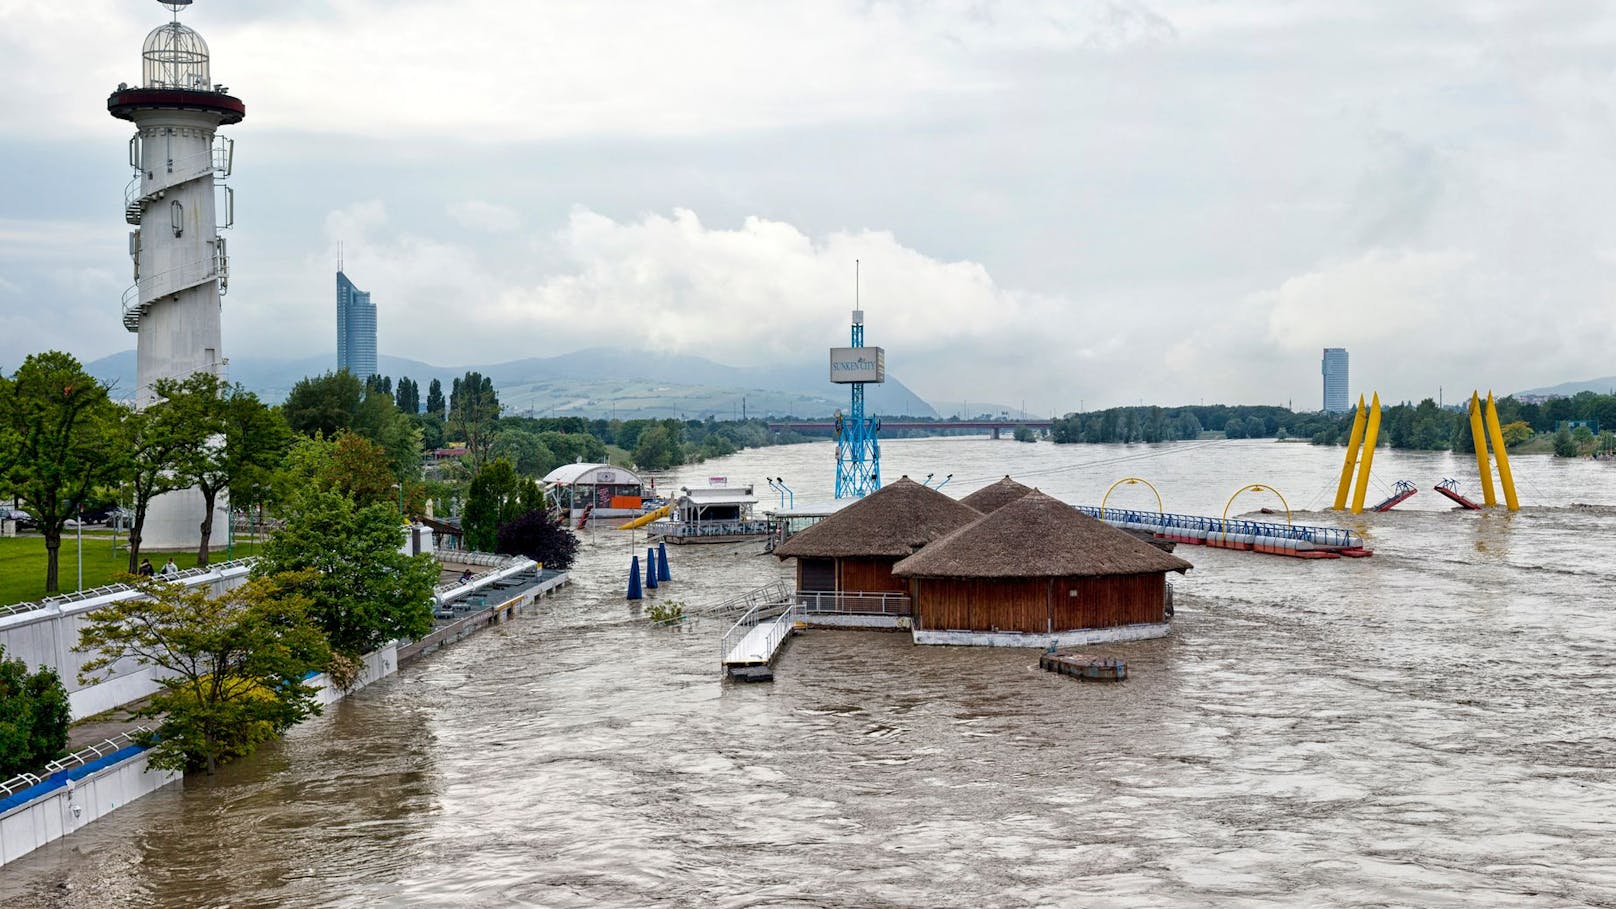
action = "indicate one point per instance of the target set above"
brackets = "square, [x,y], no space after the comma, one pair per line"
[138,298]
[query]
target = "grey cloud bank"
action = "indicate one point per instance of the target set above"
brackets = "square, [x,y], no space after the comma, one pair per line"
[1103,202]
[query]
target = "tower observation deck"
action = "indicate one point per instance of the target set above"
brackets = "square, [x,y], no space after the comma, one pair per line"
[177,203]
[858,446]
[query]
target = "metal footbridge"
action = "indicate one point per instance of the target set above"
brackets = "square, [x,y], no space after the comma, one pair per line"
[1300,540]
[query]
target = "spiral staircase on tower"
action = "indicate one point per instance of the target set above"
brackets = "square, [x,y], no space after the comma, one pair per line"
[214,165]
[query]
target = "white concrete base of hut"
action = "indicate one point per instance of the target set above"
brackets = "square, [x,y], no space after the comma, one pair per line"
[1075,638]
[881,622]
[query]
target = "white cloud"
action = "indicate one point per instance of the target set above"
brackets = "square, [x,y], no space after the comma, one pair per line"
[475,214]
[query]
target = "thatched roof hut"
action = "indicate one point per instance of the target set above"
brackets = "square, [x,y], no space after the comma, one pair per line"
[1038,536]
[989,499]
[854,549]
[894,522]
[1034,570]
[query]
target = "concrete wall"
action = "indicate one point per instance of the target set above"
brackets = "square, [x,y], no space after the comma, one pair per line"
[1074,638]
[47,636]
[379,664]
[62,811]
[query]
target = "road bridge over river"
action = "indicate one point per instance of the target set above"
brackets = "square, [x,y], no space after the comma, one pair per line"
[994,426]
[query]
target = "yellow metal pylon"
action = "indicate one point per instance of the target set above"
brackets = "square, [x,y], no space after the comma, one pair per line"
[1496,433]
[1354,440]
[1371,435]
[1479,437]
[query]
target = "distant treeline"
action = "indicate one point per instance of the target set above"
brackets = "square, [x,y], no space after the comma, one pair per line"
[1423,426]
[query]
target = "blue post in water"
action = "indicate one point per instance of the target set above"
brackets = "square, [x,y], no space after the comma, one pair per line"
[650,568]
[634,580]
[662,562]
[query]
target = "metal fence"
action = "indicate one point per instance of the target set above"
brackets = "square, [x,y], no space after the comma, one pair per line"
[77,596]
[840,602]
[768,595]
[780,616]
[713,529]
[77,759]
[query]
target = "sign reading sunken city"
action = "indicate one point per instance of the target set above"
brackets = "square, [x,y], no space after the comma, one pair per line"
[858,364]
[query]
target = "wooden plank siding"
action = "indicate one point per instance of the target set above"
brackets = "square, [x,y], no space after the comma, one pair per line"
[1124,599]
[869,576]
[1038,605]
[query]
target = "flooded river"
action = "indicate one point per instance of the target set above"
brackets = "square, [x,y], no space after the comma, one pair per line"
[1430,727]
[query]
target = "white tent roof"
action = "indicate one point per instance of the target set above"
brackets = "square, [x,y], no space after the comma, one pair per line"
[590,475]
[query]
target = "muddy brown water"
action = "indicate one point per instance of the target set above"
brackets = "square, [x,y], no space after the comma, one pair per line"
[1432,726]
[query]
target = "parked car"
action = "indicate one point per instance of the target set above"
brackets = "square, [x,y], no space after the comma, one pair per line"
[9,513]
[104,514]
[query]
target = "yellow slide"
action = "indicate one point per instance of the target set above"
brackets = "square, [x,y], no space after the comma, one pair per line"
[647,518]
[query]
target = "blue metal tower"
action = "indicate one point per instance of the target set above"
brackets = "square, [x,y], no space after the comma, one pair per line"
[858,450]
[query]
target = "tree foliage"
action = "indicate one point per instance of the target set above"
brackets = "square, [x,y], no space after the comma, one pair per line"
[324,404]
[58,442]
[474,417]
[434,398]
[153,441]
[363,590]
[498,495]
[658,448]
[234,664]
[34,716]
[541,536]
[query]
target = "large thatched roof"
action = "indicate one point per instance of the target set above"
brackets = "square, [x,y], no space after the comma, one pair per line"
[1037,536]
[989,499]
[891,522]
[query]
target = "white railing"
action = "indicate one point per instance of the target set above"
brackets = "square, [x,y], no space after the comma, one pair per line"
[712,528]
[485,559]
[75,596]
[780,619]
[841,602]
[77,759]
[768,595]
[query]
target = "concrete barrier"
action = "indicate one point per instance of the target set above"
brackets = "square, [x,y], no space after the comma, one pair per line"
[46,635]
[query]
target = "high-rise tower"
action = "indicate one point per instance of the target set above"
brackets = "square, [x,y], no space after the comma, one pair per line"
[177,203]
[1334,368]
[356,329]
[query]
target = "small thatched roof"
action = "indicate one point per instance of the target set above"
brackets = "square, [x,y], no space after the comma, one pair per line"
[891,522]
[989,499]
[1037,536]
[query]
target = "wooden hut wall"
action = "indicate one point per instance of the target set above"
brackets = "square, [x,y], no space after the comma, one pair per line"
[816,574]
[1105,602]
[974,604]
[870,576]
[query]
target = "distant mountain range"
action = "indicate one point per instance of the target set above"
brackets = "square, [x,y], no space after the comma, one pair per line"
[1603,386]
[599,382]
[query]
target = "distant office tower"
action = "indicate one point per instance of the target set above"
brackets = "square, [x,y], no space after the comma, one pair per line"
[356,329]
[1335,380]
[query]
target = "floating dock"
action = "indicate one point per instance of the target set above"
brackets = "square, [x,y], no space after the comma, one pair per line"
[757,636]
[1088,668]
[1450,488]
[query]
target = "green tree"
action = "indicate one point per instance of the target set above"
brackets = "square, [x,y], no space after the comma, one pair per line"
[363,591]
[233,665]
[497,495]
[526,452]
[349,465]
[380,421]
[323,404]
[658,448]
[1515,433]
[58,442]
[541,536]
[408,397]
[153,440]
[474,417]
[34,716]
[434,398]
[1564,445]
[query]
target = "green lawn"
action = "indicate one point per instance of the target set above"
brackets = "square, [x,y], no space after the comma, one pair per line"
[22,563]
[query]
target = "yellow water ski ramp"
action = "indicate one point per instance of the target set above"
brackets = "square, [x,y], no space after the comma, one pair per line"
[647,518]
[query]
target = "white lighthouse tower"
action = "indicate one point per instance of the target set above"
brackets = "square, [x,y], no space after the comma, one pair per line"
[177,203]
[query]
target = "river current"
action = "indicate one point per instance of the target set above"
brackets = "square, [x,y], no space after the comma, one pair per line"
[1433,726]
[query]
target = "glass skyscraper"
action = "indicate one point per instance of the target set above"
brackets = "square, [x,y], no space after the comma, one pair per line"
[1334,368]
[356,329]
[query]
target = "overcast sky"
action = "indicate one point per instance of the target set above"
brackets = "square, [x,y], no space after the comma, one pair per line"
[1063,202]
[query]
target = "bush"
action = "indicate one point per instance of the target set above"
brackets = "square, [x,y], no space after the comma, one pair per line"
[34,716]
[666,612]
[541,536]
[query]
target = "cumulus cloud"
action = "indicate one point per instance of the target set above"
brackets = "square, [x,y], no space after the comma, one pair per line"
[483,216]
